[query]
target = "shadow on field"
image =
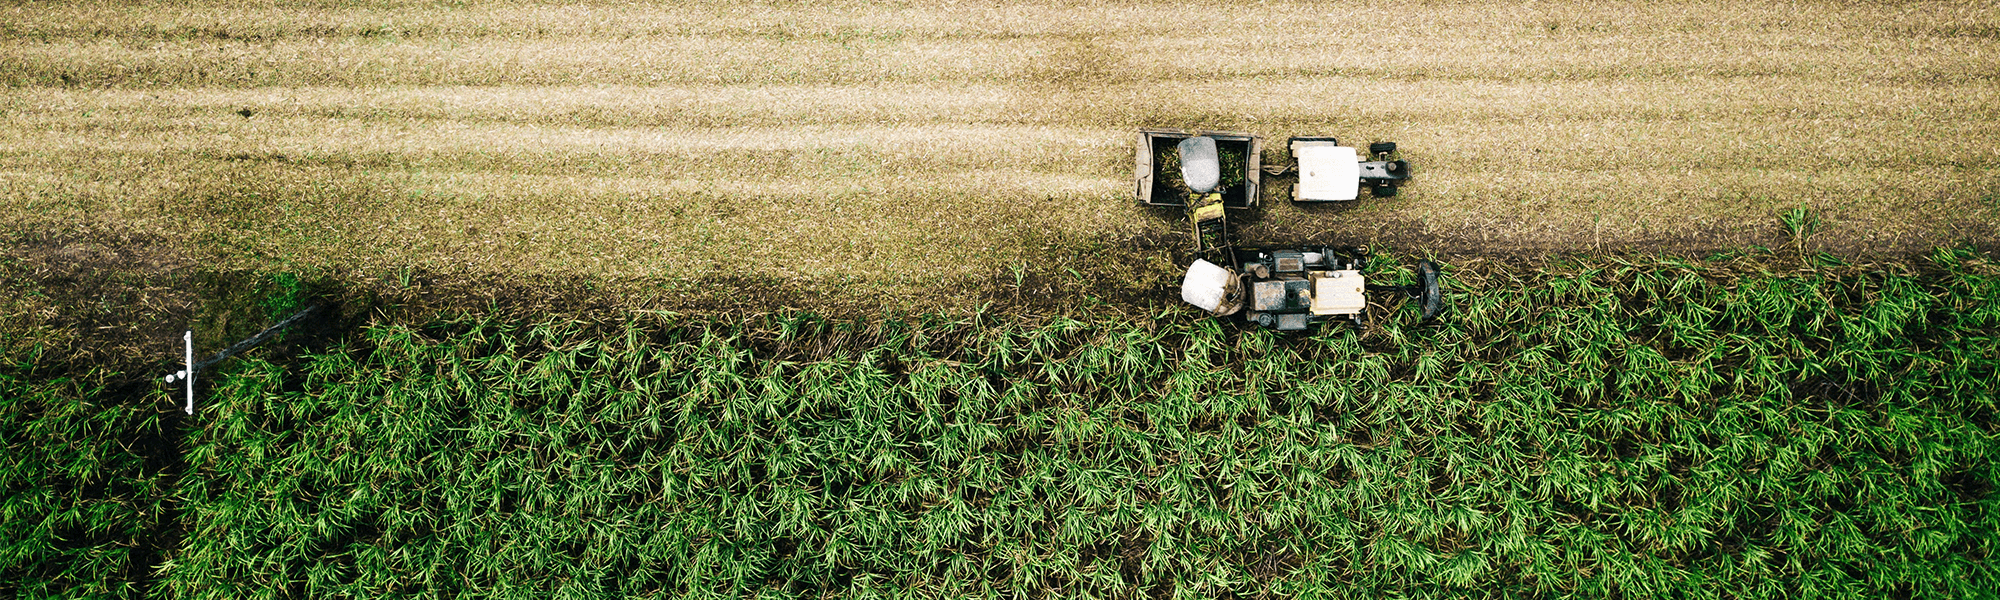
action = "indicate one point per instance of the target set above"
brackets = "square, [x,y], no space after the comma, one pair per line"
[106,307]
[117,301]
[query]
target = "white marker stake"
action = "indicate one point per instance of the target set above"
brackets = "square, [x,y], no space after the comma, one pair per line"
[189,338]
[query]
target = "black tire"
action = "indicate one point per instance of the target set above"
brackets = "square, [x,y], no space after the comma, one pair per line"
[1385,191]
[1382,148]
[1430,298]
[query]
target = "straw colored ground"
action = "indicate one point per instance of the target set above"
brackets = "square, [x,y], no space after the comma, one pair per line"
[931,155]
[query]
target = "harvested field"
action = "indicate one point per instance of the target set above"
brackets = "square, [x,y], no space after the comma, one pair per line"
[907,154]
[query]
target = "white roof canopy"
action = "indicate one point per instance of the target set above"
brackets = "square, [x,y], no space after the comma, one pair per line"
[1327,171]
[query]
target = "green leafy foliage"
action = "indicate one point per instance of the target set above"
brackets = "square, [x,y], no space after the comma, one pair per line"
[286,293]
[1800,223]
[79,499]
[1635,429]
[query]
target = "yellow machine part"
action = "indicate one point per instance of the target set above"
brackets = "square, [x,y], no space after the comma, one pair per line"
[1207,217]
[1212,211]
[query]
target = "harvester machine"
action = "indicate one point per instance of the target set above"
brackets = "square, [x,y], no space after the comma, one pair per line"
[1285,288]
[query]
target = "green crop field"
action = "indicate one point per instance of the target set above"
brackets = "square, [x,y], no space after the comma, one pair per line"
[1603,428]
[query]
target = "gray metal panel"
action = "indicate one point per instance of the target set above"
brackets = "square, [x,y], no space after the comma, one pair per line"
[1288,262]
[1267,295]
[1297,292]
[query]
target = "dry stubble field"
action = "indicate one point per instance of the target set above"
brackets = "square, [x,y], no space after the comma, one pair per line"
[925,153]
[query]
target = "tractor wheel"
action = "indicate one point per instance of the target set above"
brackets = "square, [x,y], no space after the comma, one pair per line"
[1385,191]
[1431,299]
[1382,148]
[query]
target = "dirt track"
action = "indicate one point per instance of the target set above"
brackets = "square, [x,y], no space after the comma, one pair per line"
[927,154]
